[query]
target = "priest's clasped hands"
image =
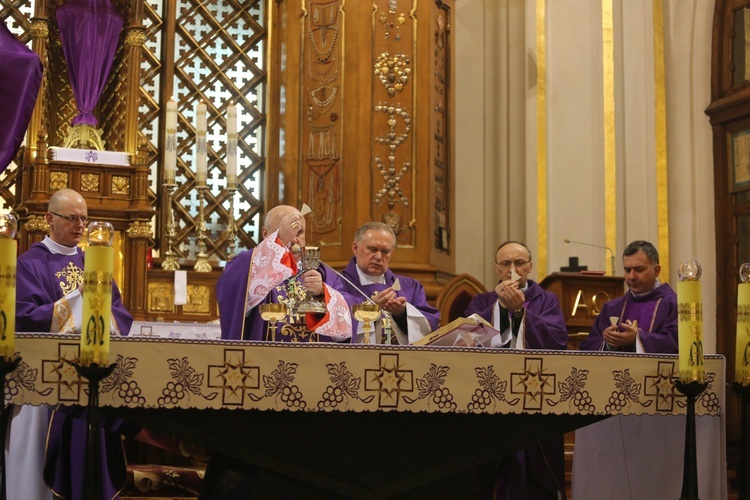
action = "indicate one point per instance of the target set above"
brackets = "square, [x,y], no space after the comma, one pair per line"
[389,301]
[509,296]
[621,336]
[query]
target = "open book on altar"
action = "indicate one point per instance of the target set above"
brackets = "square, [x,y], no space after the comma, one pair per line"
[473,331]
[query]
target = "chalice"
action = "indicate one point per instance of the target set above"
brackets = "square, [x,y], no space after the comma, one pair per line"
[310,261]
[272,313]
[366,313]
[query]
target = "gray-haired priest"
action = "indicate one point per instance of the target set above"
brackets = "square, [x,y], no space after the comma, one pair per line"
[411,317]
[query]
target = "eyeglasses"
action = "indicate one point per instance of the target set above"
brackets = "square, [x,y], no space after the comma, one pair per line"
[72,219]
[516,263]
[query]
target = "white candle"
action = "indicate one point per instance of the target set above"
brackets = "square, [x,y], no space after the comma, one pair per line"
[170,145]
[200,144]
[232,146]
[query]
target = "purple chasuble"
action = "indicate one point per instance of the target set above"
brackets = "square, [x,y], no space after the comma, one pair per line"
[20,78]
[537,472]
[231,294]
[411,289]
[42,278]
[656,313]
[544,322]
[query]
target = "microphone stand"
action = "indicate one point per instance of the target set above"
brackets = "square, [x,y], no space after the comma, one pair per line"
[386,316]
[611,253]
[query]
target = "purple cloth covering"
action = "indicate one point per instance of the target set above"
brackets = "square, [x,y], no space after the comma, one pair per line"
[656,313]
[38,287]
[231,294]
[537,472]
[89,32]
[411,289]
[20,78]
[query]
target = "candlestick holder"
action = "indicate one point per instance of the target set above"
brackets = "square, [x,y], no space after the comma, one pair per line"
[92,471]
[691,391]
[6,367]
[201,263]
[170,257]
[231,225]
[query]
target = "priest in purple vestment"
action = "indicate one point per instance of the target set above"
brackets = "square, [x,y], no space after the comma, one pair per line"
[527,317]
[48,299]
[269,274]
[410,316]
[645,318]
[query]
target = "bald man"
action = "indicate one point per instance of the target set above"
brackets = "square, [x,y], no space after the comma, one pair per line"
[528,317]
[266,274]
[49,279]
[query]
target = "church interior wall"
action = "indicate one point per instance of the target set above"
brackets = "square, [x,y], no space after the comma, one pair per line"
[574,108]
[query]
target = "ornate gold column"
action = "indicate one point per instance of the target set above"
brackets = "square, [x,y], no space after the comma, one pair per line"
[135,37]
[39,44]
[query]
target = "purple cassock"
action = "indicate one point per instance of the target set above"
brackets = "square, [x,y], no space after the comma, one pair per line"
[411,289]
[20,78]
[272,269]
[536,472]
[42,278]
[656,313]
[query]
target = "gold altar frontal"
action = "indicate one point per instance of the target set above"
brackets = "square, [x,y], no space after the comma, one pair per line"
[359,420]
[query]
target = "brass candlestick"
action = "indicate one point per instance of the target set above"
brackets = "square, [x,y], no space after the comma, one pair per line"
[170,258]
[231,226]
[201,264]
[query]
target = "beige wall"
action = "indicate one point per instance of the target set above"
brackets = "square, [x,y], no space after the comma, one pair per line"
[497,120]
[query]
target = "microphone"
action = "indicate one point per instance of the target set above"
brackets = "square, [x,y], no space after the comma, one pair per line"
[340,275]
[611,252]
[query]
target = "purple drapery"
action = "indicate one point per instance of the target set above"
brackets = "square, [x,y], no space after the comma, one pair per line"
[20,78]
[89,31]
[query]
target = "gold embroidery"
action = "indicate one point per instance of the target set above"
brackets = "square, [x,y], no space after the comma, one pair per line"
[71,278]
[62,317]
[294,332]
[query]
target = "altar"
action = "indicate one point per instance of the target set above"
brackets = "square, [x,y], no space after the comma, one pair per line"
[364,420]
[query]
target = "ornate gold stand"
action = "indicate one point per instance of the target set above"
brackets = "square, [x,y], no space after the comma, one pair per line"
[170,258]
[84,137]
[231,226]
[201,264]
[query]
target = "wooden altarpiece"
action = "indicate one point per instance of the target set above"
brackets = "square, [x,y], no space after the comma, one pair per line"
[368,126]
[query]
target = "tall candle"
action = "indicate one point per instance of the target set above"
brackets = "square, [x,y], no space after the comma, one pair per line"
[8,254]
[97,295]
[201,150]
[170,145]
[231,146]
[742,349]
[690,323]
